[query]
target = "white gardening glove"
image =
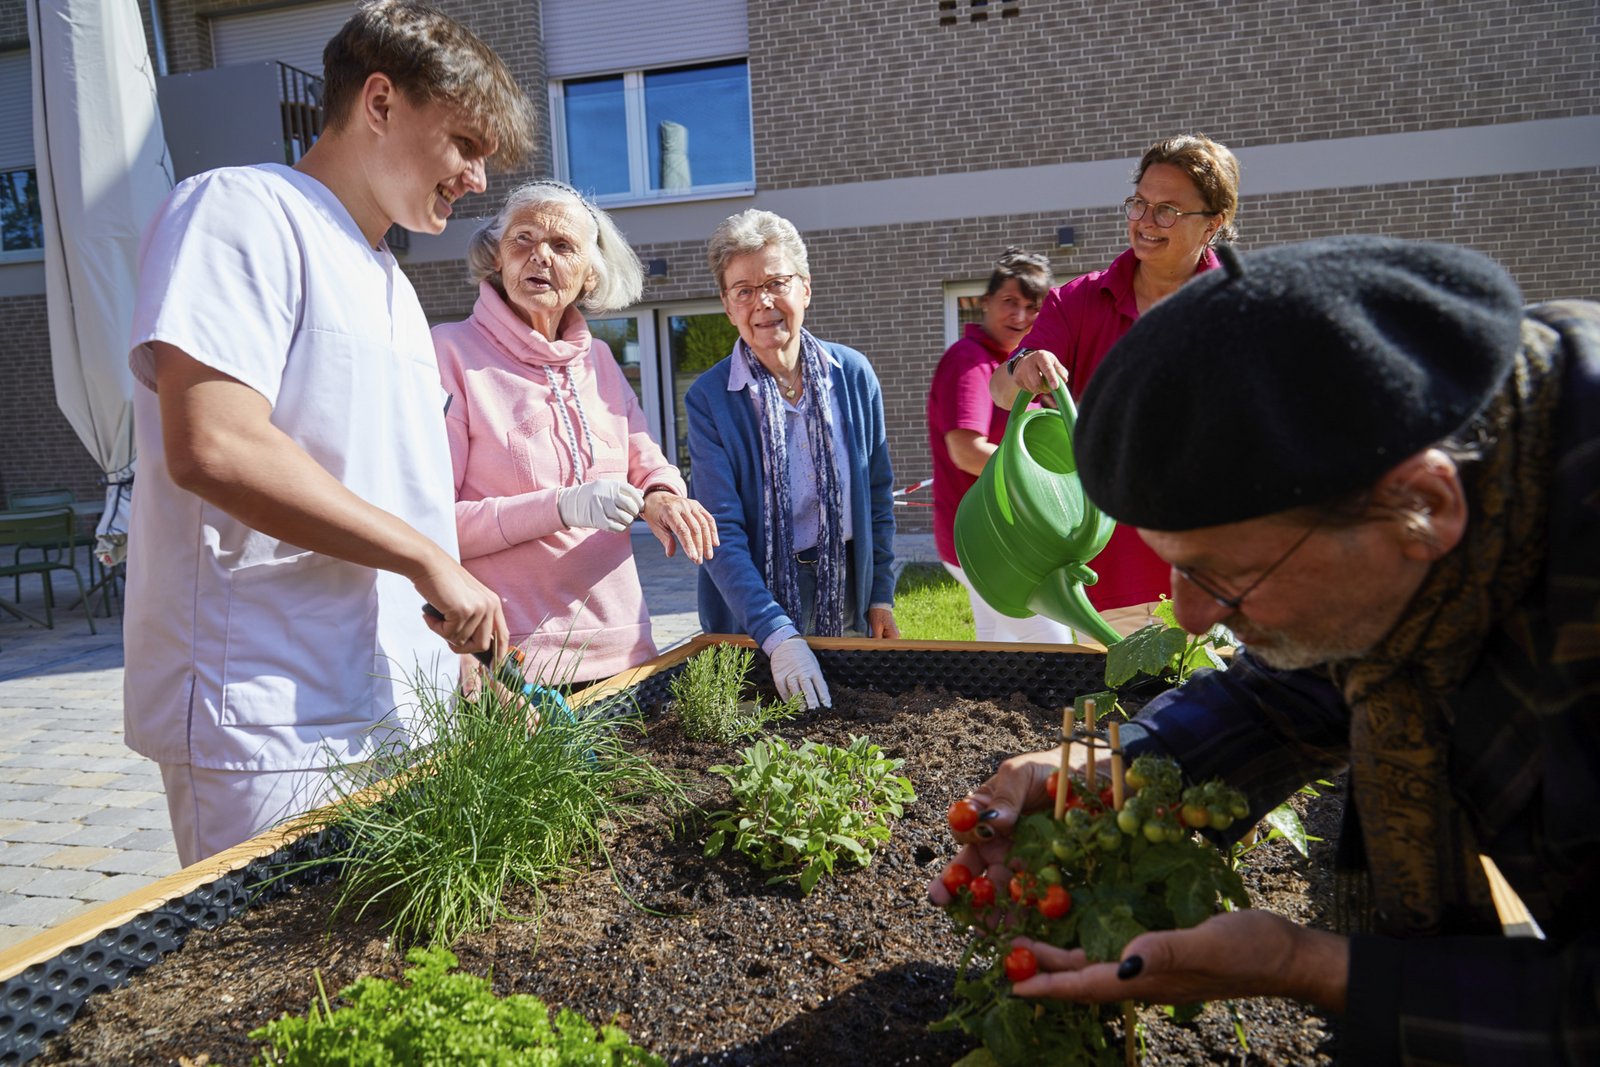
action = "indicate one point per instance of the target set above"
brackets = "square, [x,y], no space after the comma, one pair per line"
[603,505]
[795,670]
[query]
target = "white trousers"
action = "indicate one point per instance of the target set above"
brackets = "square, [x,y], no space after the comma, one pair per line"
[214,810]
[990,625]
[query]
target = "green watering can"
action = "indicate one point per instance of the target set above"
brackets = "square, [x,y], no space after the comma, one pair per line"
[1025,532]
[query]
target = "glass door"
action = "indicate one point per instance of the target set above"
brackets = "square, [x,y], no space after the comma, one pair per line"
[631,336]
[694,337]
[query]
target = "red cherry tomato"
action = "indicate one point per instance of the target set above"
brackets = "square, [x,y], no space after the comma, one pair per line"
[982,891]
[956,877]
[1020,965]
[1108,798]
[1051,784]
[1056,902]
[963,815]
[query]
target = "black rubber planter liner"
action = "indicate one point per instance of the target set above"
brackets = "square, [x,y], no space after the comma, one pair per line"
[41,1001]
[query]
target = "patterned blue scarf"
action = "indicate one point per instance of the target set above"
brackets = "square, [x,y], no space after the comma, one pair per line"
[780,569]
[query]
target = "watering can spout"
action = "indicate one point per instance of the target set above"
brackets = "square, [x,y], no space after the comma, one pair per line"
[1061,597]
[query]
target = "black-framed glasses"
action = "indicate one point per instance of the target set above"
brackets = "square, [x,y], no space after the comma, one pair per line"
[745,295]
[1233,603]
[1166,216]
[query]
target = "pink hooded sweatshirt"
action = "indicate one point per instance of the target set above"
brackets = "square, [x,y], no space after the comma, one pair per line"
[527,417]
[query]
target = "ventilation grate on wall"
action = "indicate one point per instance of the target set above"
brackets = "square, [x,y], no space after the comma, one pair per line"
[954,12]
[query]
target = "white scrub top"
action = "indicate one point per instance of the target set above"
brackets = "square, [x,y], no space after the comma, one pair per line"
[244,652]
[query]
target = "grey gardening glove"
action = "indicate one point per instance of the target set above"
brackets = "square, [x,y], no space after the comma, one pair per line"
[603,505]
[795,670]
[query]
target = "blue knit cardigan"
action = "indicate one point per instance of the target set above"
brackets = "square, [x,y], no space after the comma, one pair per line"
[725,476]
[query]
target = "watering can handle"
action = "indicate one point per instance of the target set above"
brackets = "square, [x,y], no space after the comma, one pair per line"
[1064,404]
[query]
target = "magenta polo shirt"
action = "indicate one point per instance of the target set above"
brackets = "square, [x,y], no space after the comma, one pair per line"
[959,400]
[1079,322]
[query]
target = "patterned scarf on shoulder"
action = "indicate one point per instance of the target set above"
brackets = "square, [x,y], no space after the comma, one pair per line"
[1420,847]
[779,567]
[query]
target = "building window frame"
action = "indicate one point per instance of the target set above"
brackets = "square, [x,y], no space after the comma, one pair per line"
[31,253]
[637,137]
[954,294]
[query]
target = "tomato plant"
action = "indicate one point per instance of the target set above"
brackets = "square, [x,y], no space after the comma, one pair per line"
[1093,880]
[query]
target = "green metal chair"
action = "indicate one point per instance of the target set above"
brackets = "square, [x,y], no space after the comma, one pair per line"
[39,500]
[58,526]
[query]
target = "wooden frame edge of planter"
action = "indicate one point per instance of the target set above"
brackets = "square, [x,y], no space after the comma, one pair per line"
[84,927]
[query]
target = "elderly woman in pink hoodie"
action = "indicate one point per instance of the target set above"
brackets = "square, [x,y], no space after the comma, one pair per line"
[553,459]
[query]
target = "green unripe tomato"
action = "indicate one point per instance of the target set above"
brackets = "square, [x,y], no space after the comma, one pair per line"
[1221,820]
[1050,875]
[1062,850]
[1128,821]
[1154,832]
[1175,834]
[1110,839]
[1239,808]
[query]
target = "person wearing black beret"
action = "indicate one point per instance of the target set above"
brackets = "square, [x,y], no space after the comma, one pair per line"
[1400,519]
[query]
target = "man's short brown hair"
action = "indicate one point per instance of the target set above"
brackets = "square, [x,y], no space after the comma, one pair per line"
[431,58]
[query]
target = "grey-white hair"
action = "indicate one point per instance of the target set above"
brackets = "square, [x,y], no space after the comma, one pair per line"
[751,231]
[619,277]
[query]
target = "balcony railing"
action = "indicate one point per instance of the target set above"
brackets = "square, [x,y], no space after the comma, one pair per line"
[300,98]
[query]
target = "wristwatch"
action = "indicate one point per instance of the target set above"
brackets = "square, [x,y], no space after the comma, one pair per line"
[1011,364]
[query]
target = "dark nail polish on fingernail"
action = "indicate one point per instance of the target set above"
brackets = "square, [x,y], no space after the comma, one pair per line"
[990,813]
[1130,967]
[984,832]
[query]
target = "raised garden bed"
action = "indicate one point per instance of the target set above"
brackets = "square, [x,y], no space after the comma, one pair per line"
[698,959]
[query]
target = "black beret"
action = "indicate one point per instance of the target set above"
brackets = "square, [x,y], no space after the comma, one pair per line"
[1292,376]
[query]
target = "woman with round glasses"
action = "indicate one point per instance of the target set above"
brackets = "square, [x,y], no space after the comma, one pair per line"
[1186,190]
[553,459]
[789,452]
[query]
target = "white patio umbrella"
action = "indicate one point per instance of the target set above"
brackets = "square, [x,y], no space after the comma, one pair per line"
[103,170]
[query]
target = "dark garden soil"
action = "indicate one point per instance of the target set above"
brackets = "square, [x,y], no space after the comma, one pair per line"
[706,964]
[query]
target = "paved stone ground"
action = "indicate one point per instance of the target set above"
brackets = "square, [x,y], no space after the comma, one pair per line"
[82,818]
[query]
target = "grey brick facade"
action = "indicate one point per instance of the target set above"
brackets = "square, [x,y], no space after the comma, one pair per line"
[844,93]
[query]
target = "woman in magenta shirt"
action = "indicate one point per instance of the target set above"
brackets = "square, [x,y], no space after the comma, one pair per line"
[965,425]
[1186,191]
[553,459]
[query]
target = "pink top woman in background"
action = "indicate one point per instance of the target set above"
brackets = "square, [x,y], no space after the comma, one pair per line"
[553,459]
[965,425]
[1186,191]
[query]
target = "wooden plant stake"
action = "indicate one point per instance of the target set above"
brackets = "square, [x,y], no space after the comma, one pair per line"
[1114,735]
[1091,782]
[1068,720]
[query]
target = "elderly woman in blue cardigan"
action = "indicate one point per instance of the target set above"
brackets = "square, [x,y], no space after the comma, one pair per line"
[788,451]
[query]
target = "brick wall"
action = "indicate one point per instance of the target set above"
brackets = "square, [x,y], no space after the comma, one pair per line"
[846,91]
[38,448]
[881,289]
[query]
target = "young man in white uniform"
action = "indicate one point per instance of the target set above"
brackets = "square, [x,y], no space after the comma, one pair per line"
[295,503]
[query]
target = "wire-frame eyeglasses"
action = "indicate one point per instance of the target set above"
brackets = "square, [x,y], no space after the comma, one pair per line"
[1233,603]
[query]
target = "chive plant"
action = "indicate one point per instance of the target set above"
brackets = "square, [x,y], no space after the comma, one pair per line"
[489,801]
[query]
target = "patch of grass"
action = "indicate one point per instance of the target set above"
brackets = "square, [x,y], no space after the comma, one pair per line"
[932,606]
[488,804]
[708,695]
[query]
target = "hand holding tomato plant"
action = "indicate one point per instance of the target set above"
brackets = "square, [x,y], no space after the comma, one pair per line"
[1092,881]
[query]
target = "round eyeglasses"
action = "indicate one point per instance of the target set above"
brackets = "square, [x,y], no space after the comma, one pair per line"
[1166,216]
[745,295]
[1233,602]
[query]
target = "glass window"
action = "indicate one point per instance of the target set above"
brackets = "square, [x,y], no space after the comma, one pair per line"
[961,307]
[698,121]
[21,217]
[648,134]
[597,135]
